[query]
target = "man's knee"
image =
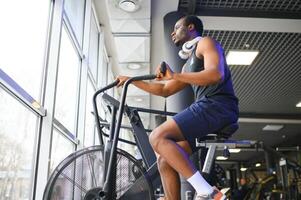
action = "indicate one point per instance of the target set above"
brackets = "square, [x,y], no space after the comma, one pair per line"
[154,138]
[162,164]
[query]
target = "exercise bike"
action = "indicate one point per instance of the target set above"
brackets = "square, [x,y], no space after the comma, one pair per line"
[104,172]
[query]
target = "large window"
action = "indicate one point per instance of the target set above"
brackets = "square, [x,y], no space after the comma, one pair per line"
[103,66]
[93,47]
[89,125]
[28,56]
[75,13]
[67,84]
[23,40]
[17,144]
[61,148]
[89,138]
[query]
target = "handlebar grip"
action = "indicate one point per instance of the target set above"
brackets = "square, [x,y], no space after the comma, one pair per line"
[163,68]
[145,77]
[113,84]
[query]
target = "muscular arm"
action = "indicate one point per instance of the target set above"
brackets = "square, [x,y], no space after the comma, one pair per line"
[213,65]
[161,89]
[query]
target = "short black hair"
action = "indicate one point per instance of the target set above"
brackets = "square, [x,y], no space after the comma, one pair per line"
[192,19]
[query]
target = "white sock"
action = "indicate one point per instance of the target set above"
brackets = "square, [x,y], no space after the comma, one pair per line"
[200,184]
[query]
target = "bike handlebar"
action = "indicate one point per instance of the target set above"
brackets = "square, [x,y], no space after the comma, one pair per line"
[115,83]
[150,77]
[135,78]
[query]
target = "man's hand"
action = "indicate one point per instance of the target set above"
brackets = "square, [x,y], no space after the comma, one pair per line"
[168,74]
[122,80]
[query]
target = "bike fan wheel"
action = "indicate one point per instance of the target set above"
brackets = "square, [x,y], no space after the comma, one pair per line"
[80,175]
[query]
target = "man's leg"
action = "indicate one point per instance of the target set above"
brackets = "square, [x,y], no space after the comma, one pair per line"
[170,180]
[164,142]
[169,177]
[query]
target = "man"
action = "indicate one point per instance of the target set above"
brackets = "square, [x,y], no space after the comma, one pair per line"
[215,107]
[243,190]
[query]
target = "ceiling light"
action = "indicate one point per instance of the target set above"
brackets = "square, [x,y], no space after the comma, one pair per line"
[129,5]
[240,57]
[234,150]
[257,164]
[243,169]
[221,158]
[134,66]
[298,105]
[272,127]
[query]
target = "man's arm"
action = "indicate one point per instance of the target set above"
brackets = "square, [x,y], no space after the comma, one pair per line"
[161,89]
[213,65]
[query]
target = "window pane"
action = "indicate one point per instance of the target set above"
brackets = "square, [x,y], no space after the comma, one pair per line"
[93,48]
[75,12]
[61,148]
[89,126]
[17,144]
[67,85]
[23,40]
[103,71]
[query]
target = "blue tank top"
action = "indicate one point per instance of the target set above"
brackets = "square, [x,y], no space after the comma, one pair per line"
[220,91]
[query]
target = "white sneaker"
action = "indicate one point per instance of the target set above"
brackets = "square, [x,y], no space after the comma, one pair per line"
[215,195]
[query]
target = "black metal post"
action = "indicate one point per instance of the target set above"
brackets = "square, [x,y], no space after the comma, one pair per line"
[96,110]
[108,146]
[108,187]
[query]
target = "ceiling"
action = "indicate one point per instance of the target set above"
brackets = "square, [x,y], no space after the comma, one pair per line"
[268,90]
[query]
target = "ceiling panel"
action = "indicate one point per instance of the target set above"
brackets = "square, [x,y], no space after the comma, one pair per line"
[253,131]
[144,70]
[265,5]
[286,137]
[283,5]
[144,12]
[130,26]
[272,83]
[133,48]
[129,22]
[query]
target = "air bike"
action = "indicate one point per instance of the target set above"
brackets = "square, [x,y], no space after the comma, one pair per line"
[105,172]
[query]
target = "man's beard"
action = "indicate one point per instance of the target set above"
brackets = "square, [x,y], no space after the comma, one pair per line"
[179,43]
[183,36]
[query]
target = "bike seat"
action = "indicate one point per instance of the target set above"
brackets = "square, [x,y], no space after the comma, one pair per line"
[221,134]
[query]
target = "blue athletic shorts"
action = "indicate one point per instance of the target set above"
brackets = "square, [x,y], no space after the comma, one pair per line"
[203,117]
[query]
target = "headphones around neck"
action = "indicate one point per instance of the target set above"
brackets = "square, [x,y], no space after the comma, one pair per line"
[188,47]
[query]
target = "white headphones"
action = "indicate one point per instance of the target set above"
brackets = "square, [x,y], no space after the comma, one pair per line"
[188,47]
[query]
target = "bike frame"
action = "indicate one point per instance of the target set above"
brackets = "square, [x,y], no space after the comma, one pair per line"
[110,152]
[141,138]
